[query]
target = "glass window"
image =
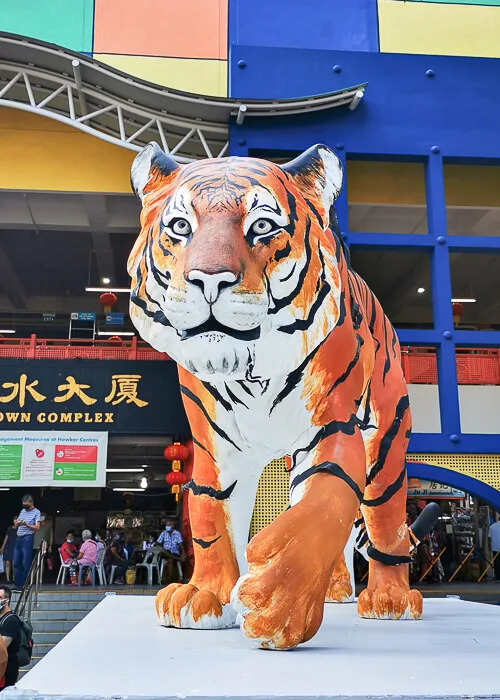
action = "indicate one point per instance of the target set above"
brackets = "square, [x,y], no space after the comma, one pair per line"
[401,280]
[475,290]
[386,197]
[472,199]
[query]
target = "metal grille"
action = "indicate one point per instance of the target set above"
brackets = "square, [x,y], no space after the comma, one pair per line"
[484,468]
[272,495]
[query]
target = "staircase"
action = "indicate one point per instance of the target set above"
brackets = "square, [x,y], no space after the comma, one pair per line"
[58,612]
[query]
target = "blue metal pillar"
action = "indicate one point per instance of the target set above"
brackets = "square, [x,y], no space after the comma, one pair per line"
[441,298]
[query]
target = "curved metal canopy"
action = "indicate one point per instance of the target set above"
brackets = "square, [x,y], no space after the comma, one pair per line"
[69,87]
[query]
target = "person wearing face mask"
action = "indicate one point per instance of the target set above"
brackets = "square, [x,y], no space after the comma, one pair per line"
[27,523]
[10,635]
[115,556]
[69,552]
[173,548]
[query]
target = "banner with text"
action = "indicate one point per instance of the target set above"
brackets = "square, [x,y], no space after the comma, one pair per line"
[53,458]
[425,489]
[130,397]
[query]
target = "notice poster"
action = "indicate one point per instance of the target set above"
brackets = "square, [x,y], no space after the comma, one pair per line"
[53,458]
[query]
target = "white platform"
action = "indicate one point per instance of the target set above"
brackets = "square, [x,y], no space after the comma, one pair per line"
[119,649]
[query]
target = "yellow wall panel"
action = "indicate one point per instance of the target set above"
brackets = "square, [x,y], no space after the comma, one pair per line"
[205,77]
[437,28]
[41,154]
[374,182]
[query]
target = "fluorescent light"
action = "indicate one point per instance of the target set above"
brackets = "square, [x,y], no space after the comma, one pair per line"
[421,290]
[127,490]
[8,330]
[121,471]
[118,333]
[105,280]
[464,301]
[108,289]
[4,489]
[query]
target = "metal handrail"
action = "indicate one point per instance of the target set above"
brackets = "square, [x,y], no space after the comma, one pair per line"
[28,599]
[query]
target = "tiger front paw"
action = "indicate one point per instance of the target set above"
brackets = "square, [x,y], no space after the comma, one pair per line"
[187,607]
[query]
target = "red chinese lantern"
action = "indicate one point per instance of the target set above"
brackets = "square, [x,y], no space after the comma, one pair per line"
[458,310]
[176,479]
[108,300]
[176,452]
[115,340]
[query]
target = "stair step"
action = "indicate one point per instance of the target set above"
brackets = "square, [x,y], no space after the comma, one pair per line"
[42,649]
[71,595]
[39,615]
[51,638]
[67,605]
[57,625]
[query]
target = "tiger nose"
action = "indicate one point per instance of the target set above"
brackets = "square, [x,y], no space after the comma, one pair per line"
[212,283]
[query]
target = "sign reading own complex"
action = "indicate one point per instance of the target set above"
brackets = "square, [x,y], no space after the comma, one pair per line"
[131,397]
[53,458]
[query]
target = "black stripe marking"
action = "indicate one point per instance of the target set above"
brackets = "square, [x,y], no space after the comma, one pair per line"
[199,490]
[202,447]
[294,377]
[285,301]
[387,363]
[286,277]
[386,442]
[388,559]
[332,428]
[352,364]
[331,468]
[217,396]
[315,212]
[389,492]
[241,382]
[363,540]
[205,544]
[233,397]
[283,252]
[302,324]
[187,392]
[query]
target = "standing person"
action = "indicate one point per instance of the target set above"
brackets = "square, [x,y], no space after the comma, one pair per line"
[173,548]
[115,556]
[27,523]
[10,631]
[7,550]
[494,535]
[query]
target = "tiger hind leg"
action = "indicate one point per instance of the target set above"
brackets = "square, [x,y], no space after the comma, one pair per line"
[388,594]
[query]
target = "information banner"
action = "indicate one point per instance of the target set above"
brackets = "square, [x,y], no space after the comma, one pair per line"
[53,458]
[425,489]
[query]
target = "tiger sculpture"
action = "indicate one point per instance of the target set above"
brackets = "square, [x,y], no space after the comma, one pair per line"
[239,273]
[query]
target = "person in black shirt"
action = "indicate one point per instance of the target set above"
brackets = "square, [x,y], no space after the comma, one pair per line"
[10,631]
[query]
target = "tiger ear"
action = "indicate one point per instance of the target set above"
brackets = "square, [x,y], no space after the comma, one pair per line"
[318,169]
[150,159]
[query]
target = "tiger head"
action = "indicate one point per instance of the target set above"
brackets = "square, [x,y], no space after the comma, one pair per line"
[235,273]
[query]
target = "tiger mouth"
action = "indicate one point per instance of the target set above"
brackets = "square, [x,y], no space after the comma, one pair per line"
[213,326]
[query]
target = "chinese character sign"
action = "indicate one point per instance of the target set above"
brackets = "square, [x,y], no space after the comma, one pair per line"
[52,458]
[129,397]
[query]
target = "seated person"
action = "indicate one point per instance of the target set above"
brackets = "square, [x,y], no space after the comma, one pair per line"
[115,556]
[86,556]
[101,547]
[69,551]
[172,547]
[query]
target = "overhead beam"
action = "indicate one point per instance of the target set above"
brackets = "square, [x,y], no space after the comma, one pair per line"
[95,206]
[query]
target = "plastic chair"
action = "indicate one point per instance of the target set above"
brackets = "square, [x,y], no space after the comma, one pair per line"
[61,576]
[101,573]
[179,570]
[112,574]
[151,567]
[81,567]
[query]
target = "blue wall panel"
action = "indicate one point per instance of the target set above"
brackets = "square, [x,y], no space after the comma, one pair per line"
[350,25]
[403,111]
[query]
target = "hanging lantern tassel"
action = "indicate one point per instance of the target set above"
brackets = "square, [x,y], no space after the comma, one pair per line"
[108,300]
[176,479]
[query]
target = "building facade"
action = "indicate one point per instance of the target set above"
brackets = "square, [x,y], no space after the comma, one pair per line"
[404,92]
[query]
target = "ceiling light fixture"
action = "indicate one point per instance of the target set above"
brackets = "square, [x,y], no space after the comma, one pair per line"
[105,280]
[463,301]
[126,469]
[421,290]
[127,490]
[7,330]
[125,290]
[118,333]
[4,489]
